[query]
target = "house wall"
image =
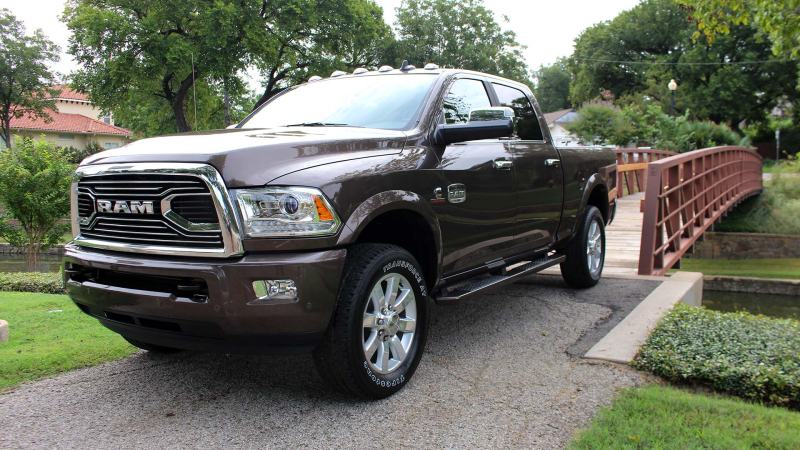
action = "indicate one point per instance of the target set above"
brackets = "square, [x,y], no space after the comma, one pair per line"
[80,107]
[79,141]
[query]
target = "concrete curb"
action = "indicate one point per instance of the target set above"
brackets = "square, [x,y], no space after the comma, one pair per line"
[752,285]
[622,343]
[3,330]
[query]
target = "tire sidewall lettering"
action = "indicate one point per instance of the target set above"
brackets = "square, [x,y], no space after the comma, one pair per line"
[402,267]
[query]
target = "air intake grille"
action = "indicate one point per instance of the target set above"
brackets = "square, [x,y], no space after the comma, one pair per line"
[195,208]
[126,208]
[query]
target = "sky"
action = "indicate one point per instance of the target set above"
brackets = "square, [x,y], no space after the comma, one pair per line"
[546,27]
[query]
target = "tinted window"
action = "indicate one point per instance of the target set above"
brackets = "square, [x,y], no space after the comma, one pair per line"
[464,96]
[374,101]
[526,122]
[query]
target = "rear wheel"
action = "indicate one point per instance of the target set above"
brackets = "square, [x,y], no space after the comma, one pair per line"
[152,348]
[586,253]
[377,335]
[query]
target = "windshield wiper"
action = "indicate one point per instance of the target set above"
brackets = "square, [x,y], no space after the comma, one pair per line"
[319,124]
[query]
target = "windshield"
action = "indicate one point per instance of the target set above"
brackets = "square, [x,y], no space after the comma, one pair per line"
[380,101]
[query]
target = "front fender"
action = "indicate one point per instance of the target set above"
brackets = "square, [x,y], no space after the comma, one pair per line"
[384,202]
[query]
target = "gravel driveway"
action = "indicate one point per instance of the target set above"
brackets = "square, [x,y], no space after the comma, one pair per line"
[497,373]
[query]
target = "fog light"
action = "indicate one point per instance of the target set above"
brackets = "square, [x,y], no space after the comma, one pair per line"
[270,290]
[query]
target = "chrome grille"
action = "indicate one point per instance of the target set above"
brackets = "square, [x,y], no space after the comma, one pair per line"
[195,208]
[187,196]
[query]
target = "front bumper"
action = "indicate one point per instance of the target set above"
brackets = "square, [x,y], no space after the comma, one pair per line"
[203,304]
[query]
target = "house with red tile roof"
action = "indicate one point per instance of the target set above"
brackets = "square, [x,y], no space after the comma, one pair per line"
[75,122]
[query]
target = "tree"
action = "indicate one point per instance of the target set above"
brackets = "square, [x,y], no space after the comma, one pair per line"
[25,79]
[639,51]
[552,86]
[300,38]
[461,34]
[35,180]
[132,48]
[595,124]
[779,20]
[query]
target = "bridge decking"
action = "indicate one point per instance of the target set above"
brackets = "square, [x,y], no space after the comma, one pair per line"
[623,239]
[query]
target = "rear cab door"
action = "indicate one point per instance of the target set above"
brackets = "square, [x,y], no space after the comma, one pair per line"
[539,181]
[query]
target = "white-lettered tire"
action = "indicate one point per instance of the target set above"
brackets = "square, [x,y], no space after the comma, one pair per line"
[586,252]
[377,334]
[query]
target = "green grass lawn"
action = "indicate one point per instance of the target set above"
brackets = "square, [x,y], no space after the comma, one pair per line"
[670,418]
[759,268]
[49,335]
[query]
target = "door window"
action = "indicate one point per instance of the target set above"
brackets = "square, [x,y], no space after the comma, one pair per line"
[526,123]
[464,96]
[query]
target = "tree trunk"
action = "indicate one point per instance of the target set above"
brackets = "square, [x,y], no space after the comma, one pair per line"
[226,102]
[31,257]
[180,115]
[6,135]
[177,100]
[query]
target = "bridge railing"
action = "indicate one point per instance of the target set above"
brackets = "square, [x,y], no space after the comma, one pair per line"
[632,168]
[686,194]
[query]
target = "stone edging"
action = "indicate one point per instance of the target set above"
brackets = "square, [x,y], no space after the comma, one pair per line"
[622,343]
[752,285]
[724,245]
[3,330]
[8,249]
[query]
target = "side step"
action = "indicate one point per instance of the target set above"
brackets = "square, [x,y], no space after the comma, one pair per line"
[509,275]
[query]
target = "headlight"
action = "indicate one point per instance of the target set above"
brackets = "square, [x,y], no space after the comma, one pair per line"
[285,211]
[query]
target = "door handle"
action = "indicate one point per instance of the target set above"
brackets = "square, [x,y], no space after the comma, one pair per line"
[552,162]
[503,164]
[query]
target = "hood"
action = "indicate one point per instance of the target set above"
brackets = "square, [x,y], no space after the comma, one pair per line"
[253,157]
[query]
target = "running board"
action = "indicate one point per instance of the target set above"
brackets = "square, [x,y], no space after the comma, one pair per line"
[509,275]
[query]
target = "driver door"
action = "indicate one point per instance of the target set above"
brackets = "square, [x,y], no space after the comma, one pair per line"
[477,209]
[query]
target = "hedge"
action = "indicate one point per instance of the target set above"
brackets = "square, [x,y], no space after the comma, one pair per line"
[48,283]
[753,357]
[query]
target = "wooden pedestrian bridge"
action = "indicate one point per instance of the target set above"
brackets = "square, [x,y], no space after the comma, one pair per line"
[666,201]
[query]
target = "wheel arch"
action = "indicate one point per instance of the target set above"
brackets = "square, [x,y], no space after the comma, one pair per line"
[402,218]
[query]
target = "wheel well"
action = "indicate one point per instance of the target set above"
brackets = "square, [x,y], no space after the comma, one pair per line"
[408,230]
[599,199]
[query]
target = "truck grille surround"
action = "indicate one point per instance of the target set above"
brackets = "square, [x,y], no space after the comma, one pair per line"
[175,208]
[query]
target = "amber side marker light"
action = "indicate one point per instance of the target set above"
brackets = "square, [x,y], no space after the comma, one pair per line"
[325,214]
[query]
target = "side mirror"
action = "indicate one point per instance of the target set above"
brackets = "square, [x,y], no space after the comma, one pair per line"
[484,123]
[232,126]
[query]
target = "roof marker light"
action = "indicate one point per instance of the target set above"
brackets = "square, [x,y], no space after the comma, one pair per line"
[337,73]
[314,78]
[385,69]
[360,70]
[405,67]
[431,66]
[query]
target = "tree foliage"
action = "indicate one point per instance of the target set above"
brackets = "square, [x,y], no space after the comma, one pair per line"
[779,20]
[648,125]
[300,38]
[25,79]
[552,86]
[35,178]
[131,48]
[638,52]
[460,34]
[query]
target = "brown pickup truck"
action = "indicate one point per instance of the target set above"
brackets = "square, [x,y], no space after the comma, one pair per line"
[331,218]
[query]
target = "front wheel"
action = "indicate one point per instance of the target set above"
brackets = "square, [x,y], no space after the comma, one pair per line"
[377,335]
[586,253]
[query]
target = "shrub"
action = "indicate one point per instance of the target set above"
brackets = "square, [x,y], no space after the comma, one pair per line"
[753,357]
[46,283]
[34,193]
[75,156]
[776,210]
[649,125]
